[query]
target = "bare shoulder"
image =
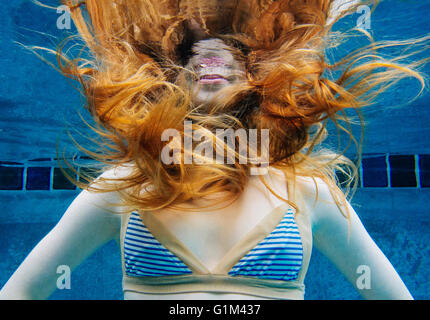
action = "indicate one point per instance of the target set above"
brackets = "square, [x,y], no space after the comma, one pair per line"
[319,201]
[317,195]
[313,188]
[108,201]
[117,172]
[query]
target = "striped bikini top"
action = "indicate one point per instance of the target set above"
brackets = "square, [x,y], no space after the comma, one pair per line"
[270,261]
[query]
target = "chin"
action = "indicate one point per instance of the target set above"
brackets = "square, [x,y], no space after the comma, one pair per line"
[203,97]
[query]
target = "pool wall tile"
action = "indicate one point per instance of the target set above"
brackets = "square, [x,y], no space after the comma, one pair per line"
[402,171]
[60,181]
[424,170]
[375,171]
[11,178]
[38,178]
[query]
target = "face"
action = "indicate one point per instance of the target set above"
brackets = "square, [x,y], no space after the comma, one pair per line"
[215,68]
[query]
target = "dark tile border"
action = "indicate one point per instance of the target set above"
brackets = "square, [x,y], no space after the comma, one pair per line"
[375,171]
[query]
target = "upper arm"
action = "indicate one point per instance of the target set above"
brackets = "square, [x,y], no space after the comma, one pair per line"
[350,248]
[88,223]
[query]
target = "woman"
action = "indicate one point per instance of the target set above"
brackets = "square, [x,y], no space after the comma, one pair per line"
[205,229]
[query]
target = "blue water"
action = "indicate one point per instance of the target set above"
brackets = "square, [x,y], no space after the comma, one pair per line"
[35,101]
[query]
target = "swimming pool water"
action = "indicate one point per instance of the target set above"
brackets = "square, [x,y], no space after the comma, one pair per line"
[35,101]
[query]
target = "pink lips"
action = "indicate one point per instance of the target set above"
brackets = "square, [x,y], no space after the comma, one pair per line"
[213,79]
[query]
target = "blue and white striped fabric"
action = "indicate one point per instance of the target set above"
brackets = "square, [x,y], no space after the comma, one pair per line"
[279,256]
[146,257]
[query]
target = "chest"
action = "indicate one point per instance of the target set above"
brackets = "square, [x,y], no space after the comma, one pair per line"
[274,243]
[209,235]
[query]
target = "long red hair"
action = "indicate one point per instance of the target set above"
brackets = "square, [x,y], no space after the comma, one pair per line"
[133,89]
